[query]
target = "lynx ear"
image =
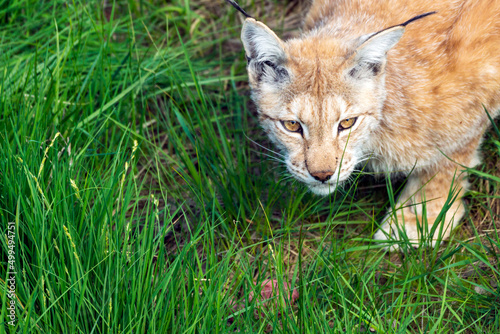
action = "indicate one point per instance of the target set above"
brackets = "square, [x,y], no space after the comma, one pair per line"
[370,57]
[265,53]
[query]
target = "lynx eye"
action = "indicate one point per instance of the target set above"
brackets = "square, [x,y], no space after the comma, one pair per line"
[347,123]
[292,126]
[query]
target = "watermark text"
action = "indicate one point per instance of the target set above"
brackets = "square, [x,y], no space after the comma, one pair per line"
[11,273]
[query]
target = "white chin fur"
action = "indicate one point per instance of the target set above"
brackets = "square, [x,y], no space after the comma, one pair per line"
[323,189]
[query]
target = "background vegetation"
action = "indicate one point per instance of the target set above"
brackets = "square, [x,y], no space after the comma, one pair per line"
[141,204]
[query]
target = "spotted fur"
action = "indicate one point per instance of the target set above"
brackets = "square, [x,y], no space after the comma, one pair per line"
[418,90]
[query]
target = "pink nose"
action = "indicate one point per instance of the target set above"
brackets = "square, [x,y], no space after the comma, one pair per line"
[322,176]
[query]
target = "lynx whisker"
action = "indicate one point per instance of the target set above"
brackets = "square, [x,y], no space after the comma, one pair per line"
[288,177]
[253,141]
[277,159]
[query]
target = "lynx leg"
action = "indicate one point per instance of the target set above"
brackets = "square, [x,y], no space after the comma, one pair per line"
[421,203]
[431,204]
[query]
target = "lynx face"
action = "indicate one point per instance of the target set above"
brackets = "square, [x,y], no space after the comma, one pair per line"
[318,100]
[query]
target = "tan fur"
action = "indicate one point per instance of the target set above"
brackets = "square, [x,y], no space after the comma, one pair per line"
[424,108]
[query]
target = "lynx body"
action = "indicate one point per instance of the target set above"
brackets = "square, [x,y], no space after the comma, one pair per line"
[358,84]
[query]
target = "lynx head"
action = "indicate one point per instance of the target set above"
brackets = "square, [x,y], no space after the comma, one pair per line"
[318,98]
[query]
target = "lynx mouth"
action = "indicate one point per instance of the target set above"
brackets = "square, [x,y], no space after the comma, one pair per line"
[318,187]
[323,189]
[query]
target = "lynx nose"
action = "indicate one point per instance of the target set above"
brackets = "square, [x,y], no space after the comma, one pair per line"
[322,176]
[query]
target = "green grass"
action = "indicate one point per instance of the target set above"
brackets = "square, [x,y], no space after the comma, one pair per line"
[141,206]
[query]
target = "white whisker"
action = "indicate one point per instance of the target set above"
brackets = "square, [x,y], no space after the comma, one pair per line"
[272,157]
[253,141]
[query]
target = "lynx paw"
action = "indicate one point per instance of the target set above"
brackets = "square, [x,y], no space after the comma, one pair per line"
[404,232]
[390,232]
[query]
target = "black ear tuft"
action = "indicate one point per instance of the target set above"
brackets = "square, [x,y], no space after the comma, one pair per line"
[235,5]
[418,17]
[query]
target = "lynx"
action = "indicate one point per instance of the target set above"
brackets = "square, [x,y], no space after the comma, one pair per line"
[402,83]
